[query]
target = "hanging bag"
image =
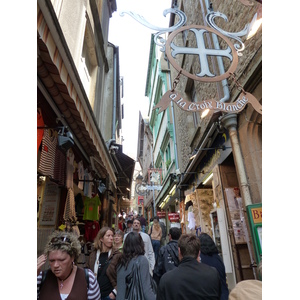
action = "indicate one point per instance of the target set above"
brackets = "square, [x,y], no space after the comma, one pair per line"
[134,290]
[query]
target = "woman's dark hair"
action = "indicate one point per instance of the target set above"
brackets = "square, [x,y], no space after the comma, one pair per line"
[133,246]
[207,245]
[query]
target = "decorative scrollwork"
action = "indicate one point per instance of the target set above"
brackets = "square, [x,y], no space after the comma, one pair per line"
[159,41]
[234,35]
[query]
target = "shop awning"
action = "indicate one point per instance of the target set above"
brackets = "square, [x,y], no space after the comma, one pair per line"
[59,76]
[125,166]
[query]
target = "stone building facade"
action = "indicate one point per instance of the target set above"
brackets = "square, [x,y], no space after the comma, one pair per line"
[220,152]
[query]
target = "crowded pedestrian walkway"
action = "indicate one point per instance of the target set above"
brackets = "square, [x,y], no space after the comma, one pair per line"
[126,266]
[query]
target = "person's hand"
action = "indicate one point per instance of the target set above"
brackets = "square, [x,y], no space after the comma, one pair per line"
[40,262]
[112,296]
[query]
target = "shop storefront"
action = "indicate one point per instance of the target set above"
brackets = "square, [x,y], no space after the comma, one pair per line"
[77,175]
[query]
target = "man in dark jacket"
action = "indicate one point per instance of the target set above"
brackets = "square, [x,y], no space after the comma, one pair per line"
[167,258]
[191,280]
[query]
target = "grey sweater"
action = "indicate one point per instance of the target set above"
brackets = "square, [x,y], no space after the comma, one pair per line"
[145,276]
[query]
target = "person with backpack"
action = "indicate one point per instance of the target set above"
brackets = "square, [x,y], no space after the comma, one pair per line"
[64,279]
[164,232]
[168,255]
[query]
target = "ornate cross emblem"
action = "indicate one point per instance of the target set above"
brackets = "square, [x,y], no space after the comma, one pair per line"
[202,52]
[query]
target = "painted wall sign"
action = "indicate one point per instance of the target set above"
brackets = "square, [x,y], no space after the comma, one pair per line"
[212,104]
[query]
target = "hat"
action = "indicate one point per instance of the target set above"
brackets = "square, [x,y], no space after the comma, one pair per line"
[247,290]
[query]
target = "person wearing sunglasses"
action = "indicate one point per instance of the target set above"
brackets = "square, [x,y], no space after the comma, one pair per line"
[64,279]
[102,261]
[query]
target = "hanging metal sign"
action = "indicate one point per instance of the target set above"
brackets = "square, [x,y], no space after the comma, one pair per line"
[204,75]
[212,104]
[202,52]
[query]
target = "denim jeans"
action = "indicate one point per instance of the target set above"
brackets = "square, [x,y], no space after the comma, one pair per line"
[156,246]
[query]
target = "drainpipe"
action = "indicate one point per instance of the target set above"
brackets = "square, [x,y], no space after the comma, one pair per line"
[229,121]
[216,46]
[173,119]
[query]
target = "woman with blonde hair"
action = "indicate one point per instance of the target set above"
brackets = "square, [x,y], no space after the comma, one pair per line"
[102,261]
[64,279]
[155,233]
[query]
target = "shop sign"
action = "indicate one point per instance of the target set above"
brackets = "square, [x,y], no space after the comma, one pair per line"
[173,217]
[154,176]
[212,104]
[202,54]
[161,214]
[140,200]
[254,212]
[256,215]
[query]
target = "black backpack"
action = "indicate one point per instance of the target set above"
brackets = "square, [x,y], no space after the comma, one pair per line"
[170,259]
[163,229]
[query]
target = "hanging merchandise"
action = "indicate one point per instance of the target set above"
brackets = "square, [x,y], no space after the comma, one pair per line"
[188,204]
[69,212]
[232,195]
[49,143]
[91,217]
[80,175]
[49,205]
[70,169]
[59,171]
[91,229]
[79,204]
[40,132]
[91,208]
[88,184]
[191,218]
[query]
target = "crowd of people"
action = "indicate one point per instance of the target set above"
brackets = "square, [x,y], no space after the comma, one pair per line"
[133,262]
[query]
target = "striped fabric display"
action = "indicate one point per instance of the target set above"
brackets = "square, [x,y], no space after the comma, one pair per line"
[46,166]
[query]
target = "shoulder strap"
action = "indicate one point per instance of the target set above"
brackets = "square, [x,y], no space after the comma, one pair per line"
[44,274]
[173,255]
[86,272]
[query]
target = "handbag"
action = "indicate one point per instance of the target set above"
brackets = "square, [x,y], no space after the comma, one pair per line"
[134,290]
[133,281]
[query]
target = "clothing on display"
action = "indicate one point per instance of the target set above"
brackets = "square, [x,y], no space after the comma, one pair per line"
[70,169]
[91,208]
[91,229]
[88,184]
[40,132]
[80,175]
[191,220]
[79,205]
[69,212]
[60,161]
[49,143]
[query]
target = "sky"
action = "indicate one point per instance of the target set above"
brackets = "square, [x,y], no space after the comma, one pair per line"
[133,40]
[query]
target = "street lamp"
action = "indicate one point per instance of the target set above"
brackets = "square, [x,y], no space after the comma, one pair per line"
[141,188]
